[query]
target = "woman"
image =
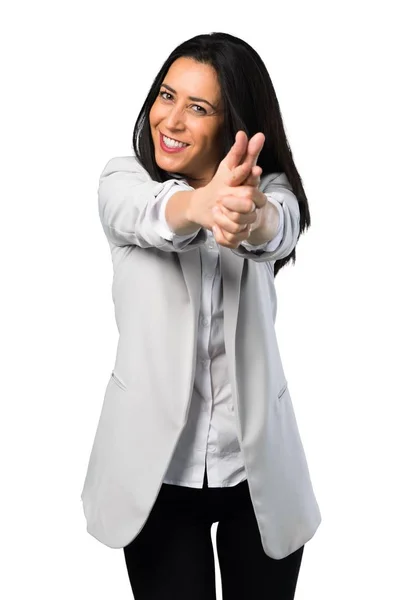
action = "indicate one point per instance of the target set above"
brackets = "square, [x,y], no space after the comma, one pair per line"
[197,424]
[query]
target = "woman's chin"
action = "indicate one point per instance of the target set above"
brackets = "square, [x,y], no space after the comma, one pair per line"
[169,163]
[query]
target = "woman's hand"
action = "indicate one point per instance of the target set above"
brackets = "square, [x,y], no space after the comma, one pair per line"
[236,168]
[236,215]
[233,193]
[234,220]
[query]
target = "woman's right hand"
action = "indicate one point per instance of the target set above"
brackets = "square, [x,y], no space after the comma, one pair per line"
[230,174]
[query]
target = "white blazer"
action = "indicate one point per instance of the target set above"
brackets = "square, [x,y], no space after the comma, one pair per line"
[156,293]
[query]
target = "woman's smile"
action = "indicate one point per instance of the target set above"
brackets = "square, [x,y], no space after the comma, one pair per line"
[171,145]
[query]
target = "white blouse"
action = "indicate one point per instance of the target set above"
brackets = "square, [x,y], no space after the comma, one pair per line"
[209,439]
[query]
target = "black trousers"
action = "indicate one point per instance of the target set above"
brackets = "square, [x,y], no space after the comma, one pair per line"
[172,556]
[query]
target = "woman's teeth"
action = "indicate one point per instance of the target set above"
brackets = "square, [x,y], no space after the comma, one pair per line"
[173,143]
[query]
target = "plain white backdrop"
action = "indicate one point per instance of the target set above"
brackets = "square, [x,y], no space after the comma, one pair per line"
[74,78]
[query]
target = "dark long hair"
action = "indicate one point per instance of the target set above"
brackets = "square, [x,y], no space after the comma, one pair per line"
[250,104]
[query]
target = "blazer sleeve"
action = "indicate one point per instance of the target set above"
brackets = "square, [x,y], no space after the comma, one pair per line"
[128,204]
[278,188]
[161,226]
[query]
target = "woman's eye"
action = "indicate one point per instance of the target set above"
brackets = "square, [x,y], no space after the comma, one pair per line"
[167,96]
[200,107]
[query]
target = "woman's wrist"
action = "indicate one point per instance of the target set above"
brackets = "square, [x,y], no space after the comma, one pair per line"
[178,213]
[266,226]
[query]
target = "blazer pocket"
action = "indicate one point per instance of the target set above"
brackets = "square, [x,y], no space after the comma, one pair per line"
[118,382]
[282,390]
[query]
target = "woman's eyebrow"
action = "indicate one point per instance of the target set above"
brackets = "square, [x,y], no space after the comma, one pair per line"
[194,98]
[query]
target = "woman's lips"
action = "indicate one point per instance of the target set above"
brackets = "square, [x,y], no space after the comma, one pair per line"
[170,150]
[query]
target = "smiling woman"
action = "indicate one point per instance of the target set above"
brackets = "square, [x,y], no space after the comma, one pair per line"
[197,425]
[185,134]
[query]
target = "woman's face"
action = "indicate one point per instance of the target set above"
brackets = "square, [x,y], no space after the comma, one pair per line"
[188,109]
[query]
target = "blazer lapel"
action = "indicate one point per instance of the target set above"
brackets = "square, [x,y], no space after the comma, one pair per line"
[191,268]
[231,269]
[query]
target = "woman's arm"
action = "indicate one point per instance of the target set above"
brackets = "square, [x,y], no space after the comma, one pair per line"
[269,235]
[129,202]
[277,186]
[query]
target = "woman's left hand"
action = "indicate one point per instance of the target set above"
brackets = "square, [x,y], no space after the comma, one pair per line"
[233,223]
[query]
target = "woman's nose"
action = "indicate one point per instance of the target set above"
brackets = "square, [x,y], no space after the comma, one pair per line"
[175,117]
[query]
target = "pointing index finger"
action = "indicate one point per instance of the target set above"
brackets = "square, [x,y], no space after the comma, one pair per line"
[237,151]
[254,148]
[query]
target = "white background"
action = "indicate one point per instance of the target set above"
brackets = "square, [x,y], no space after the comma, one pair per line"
[75,75]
